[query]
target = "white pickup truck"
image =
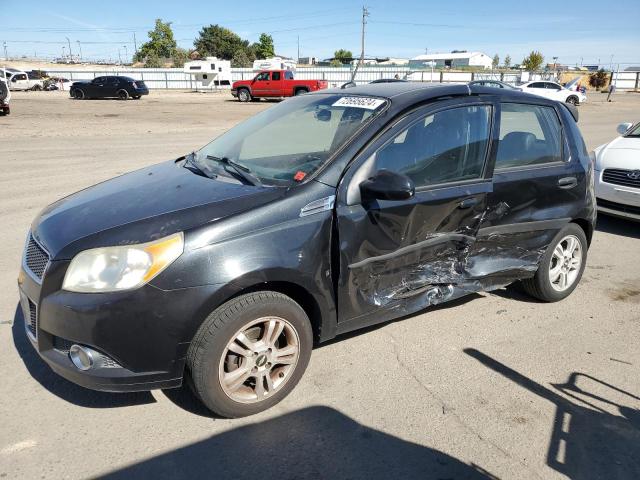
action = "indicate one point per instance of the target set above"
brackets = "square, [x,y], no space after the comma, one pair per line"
[20,80]
[5,96]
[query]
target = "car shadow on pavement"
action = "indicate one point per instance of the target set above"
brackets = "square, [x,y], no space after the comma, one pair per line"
[618,226]
[587,441]
[62,388]
[316,442]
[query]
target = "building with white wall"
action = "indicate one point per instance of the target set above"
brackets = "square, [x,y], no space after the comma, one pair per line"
[451,60]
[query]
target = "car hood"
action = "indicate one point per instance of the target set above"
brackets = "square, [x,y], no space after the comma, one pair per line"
[140,206]
[623,152]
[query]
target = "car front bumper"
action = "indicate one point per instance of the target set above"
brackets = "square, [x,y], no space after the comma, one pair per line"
[142,336]
[617,200]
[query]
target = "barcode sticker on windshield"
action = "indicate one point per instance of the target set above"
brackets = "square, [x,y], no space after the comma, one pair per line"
[359,102]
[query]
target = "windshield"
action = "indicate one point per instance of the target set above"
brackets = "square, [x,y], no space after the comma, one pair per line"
[286,143]
[633,131]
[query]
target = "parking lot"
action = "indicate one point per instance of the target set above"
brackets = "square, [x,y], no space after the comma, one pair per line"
[494,385]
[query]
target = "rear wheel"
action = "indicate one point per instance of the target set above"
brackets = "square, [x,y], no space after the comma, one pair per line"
[561,267]
[301,91]
[250,353]
[123,95]
[36,88]
[244,95]
[573,100]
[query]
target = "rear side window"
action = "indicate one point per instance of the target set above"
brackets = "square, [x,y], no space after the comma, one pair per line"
[444,147]
[529,135]
[288,75]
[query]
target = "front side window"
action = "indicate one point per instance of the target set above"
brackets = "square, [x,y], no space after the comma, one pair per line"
[288,142]
[262,77]
[447,146]
[529,135]
[537,85]
[275,76]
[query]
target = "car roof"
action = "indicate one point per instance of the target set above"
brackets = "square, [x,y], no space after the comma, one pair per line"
[405,94]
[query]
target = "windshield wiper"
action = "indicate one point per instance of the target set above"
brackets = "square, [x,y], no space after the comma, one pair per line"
[242,171]
[192,165]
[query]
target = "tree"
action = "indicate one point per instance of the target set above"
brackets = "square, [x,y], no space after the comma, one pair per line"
[161,43]
[533,62]
[335,63]
[496,61]
[153,61]
[598,79]
[264,47]
[343,56]
[180,56]
[240,59]
[217,41]
[507,61]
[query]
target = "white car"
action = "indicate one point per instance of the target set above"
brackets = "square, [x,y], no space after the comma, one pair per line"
[617,170]
[554,91]
[19,80]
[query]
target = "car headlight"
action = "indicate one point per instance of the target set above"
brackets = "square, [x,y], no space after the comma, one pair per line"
[111,269]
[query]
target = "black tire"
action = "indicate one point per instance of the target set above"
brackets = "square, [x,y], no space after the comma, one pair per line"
[123,95]
[78,94]
[540,286]
[4,91]
[301,91]
[210,345]
[36,88]
[244,95]
[573,100]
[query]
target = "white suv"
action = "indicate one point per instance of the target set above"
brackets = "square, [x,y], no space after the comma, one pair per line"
[554,91]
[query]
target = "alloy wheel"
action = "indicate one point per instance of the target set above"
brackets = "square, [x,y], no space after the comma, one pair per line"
[259,360]
[565,263]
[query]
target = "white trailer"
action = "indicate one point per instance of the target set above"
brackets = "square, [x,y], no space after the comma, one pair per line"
[274,63]
[210,73]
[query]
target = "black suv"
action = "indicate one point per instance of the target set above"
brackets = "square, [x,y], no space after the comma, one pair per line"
[109,87]
[323,214]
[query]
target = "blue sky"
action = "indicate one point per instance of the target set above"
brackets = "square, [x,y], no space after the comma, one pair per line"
[585,31]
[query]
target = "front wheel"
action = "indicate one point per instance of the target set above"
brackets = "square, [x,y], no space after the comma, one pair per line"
[250,353]
[573,100]
[561,267]
[78,94]
[244,95]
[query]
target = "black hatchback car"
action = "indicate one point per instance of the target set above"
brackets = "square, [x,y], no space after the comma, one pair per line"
[123,88]
[323,214]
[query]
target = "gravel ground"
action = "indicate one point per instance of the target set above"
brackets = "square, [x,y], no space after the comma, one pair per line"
[494,385]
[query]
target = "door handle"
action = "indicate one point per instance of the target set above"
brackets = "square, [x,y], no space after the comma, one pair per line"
[567,182]
[468,203]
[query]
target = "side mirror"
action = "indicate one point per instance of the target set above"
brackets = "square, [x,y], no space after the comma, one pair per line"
[623,127]
[387,185]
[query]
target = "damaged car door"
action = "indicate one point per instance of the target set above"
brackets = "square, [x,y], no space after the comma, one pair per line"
[408,211]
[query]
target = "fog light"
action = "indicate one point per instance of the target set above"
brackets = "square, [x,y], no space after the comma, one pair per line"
[82,357]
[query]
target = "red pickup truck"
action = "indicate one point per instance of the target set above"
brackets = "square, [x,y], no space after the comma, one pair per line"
[274,84]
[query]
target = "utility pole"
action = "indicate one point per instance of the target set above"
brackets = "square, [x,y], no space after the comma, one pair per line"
[6,56]
[135,43]
[63,47]
[119,57]
[365,14]
[125,54]
[70,54]
[80,49]
[298,49]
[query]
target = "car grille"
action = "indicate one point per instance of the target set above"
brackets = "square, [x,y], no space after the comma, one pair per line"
[618,206]
[620,176]
[32,322]
[35,258]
